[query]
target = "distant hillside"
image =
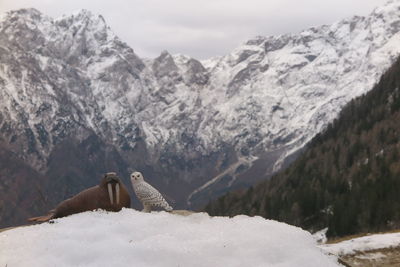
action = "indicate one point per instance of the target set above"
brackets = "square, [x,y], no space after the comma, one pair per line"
[348,179]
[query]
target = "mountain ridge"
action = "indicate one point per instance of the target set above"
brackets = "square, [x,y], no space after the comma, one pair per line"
[72,81]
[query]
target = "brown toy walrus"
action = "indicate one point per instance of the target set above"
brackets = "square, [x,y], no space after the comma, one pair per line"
[110,195]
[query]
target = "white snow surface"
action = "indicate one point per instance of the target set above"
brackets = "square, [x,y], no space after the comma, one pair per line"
[363,244]
[133,238]
[320,236]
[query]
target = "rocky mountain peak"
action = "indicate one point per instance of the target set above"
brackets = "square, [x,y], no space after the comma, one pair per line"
[164,65]
[25,13]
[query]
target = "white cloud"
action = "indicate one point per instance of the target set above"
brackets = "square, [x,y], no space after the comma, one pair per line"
[201,28]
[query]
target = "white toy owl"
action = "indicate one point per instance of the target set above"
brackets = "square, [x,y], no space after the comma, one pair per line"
[148,195]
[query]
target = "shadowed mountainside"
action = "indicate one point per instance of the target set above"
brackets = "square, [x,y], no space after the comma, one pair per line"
[348,178]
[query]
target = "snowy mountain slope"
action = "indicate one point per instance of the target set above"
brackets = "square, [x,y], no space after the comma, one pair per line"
[290,86]
[47,75]
[131,238]
[275,93]
[71,83]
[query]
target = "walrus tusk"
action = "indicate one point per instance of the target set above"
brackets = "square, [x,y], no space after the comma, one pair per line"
[110,193]
[117,192]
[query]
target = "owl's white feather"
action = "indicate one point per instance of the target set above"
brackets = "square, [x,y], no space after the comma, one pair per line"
[147,194]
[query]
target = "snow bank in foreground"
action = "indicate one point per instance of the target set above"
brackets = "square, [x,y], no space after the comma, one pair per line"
[132,238]
[365,243]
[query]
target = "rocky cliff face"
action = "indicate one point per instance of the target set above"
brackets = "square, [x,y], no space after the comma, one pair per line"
[77,101]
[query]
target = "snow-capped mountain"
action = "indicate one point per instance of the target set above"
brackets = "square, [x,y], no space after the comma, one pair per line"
[197,128]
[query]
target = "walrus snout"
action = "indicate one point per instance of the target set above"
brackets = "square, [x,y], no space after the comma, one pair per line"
[111,177]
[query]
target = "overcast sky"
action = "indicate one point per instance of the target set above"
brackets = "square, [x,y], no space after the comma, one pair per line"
[201,28]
